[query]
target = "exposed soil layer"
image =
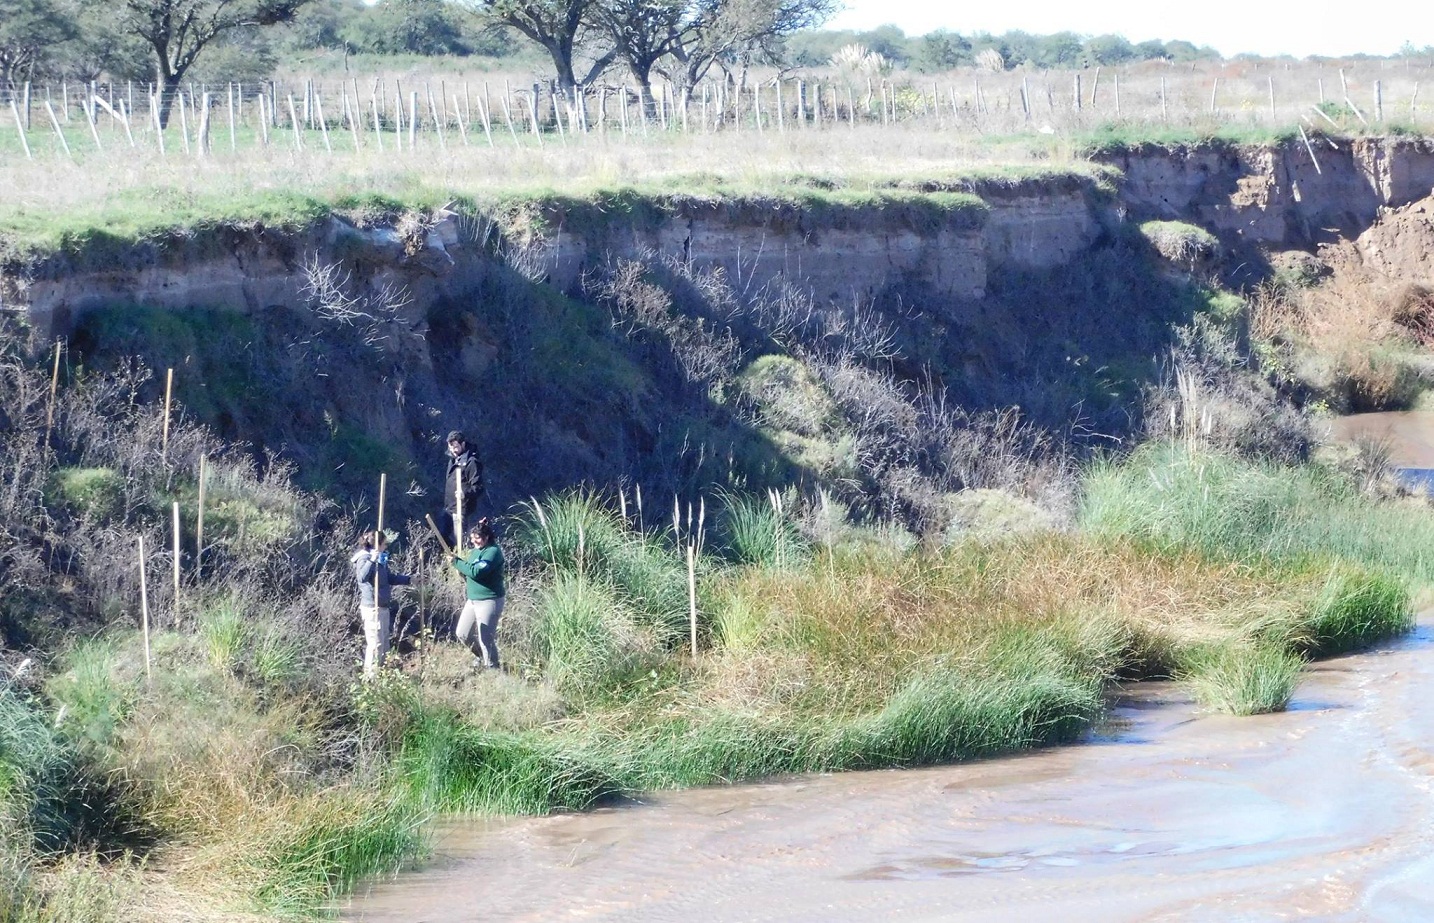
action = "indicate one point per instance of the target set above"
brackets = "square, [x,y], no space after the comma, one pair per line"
[1322,812]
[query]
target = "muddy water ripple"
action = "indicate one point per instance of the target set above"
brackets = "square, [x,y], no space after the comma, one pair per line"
[1324,812]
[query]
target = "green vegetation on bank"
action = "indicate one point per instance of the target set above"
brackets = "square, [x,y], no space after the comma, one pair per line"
[819,652]
[175,224]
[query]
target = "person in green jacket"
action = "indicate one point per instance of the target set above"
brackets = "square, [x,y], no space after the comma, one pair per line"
[482,569]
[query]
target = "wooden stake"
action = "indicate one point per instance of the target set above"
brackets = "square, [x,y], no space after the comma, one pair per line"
[94,130]
[58,132]
[382,494]
[168,394]
[458,512]
[1310,147]
[144,615]
[199,520]
[294,120]
[20,127]
[183,124]
[54,387]
[323,125]
[176,563]
[692,594]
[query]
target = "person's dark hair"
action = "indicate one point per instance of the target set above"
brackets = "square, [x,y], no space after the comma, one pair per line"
[483,529]
[457,436]
[366,539]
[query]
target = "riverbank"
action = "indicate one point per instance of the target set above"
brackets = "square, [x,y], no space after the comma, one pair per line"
[250,779]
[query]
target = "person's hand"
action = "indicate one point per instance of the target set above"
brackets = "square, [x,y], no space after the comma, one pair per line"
[373,556]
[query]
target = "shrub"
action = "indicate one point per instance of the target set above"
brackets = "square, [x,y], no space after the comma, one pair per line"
[98,493]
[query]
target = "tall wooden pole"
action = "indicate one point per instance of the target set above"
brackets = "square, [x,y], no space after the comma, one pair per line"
[382,493]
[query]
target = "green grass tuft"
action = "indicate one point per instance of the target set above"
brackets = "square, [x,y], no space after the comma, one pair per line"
[1243,679]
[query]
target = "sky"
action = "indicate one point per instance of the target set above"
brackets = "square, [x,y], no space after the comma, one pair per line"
[1267,27]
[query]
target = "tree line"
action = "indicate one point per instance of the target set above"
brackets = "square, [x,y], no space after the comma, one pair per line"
[573,42]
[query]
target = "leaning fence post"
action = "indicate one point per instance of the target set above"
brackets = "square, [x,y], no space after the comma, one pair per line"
[20,127]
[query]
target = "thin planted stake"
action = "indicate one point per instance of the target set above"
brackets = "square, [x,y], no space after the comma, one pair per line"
[199,519]
[294,120]
[59,133]
[54,388]
[412,119]
[483,114]
[323,125]
[352,115]
[94,129]
[183,124]
[203,142]
[263,120]
[508,117]
[176,563]
[377,128]
[144,615]
[20,127]
[437,119]
[462,129]
[154,119]
[692,593]
[233,141]
[168,395]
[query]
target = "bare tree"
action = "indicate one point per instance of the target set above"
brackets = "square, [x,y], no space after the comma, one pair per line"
[178,31]
[564,28]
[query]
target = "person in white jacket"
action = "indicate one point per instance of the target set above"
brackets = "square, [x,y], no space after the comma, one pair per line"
[375,582]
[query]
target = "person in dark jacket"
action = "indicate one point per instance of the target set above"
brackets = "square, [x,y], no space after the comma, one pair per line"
[463,479]
[482,569]
[375,583]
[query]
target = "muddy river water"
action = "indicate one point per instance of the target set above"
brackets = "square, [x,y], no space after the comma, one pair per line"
[1323,812]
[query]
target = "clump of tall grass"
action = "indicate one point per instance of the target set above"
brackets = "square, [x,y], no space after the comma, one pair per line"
[756,530]
[1228,509]
[1243,679]
[447,765]
[576,533]
[1356,608]
[586,635]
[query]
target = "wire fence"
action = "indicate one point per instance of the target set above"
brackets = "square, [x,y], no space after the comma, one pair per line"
[397,115]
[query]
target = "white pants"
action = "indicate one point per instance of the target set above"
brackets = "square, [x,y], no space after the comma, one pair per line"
[375,634]
[478,628]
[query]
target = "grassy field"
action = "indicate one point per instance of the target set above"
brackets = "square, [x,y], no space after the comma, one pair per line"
[955,124]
